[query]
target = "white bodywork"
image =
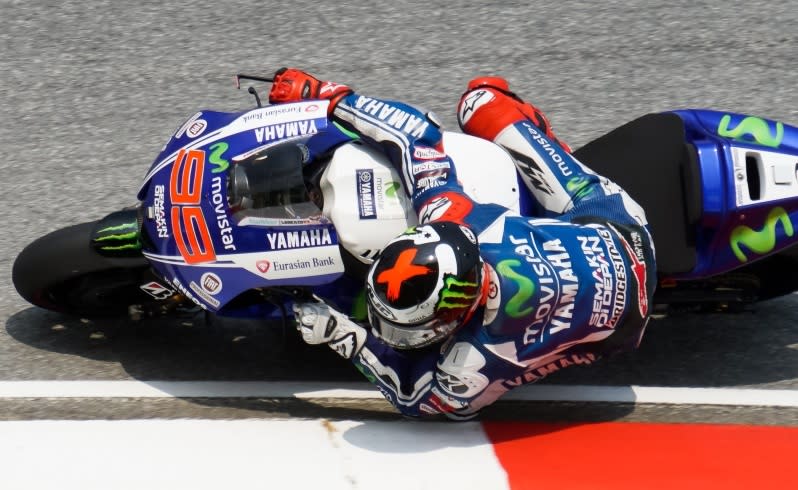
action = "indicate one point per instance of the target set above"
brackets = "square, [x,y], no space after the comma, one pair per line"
[778,175]
[485,170]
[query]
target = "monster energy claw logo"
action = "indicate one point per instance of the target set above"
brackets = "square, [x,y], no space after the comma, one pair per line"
[457,294]
[117,238]
[754,127]
[762,241]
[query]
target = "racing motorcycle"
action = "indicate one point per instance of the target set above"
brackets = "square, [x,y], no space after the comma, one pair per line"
[242,213]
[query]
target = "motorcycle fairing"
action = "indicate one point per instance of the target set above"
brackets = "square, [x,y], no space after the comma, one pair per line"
[190,236]
[708,214]
[748,168]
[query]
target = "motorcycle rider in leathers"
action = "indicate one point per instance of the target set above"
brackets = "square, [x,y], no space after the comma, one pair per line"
[477,299]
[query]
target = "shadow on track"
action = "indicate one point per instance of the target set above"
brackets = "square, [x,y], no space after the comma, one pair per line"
[181,349]
[710,350]
[707,350]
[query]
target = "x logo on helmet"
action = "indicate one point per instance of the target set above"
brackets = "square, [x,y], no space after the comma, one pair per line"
[402,270]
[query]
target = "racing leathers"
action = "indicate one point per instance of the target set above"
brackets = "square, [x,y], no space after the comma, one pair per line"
[565,287]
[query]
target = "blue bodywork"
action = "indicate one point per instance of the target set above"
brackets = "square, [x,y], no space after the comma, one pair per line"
[196,244]
[732,233]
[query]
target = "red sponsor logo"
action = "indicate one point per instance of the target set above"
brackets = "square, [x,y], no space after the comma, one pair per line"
[639,271]
[427,153]
[156,290]
[263,266]
[211,283]
[196,128]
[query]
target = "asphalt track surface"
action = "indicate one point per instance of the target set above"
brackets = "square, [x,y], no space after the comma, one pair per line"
[90,91]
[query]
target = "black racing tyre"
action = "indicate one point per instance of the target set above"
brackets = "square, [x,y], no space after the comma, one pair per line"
[62,272]
[778,273]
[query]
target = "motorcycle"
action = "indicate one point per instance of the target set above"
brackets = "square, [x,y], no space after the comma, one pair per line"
[313,205]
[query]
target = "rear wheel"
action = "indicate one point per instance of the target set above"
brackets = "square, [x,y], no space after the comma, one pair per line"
[768,278]
[62,272]
[778,274]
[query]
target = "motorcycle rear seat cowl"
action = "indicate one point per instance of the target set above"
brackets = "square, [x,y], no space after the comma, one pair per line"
[650,158]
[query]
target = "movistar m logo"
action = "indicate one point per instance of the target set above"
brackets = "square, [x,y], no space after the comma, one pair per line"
[526,288]
[457,294]
[578,187]
[754,127]
[216,159]
[391,188]
[761,241]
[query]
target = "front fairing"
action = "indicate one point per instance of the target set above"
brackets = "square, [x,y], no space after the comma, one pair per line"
[191,237]
[236,133]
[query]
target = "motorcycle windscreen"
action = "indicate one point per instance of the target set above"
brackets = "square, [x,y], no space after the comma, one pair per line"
[269,184]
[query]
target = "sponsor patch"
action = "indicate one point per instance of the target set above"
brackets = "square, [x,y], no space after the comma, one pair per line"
[280,240]
[419,168]
[156,290]
[196,128]
[365,194]
[202,294]
[394,116]
[219,206]
[636,254]
[211,283]
[427,153]
[190,123]
[263,266]
[159,212]
[285,130]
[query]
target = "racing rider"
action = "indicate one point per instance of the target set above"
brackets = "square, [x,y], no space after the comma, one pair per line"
[477,299]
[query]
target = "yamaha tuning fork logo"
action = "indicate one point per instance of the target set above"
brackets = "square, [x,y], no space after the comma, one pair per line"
[365,194]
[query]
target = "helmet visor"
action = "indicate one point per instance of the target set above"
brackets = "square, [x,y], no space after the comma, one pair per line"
[410,336]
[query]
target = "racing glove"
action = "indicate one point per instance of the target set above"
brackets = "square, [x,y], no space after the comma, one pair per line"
[320,324]
[293,85]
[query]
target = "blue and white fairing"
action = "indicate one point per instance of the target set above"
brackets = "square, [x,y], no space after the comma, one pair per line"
[211,252]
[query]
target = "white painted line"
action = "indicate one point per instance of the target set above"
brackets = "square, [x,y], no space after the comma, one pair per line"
[657,395]
[257,454]
[186,389]
[364,390]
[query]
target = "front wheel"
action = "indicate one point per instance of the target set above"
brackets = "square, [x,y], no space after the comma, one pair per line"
[62,272]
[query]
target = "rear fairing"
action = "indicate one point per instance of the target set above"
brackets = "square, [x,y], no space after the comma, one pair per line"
[750,191]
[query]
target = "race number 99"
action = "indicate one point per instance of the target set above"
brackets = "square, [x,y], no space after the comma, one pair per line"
[185,187]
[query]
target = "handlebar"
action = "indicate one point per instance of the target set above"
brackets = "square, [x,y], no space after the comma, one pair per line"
[256,78]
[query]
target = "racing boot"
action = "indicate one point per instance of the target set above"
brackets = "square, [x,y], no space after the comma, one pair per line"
[488,106]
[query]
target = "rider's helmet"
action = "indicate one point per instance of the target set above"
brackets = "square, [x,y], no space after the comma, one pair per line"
[425,284]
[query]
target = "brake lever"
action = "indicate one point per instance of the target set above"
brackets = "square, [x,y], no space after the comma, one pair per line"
[241,76]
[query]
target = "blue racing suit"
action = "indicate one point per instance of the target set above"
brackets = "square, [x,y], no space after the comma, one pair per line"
[565,288]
